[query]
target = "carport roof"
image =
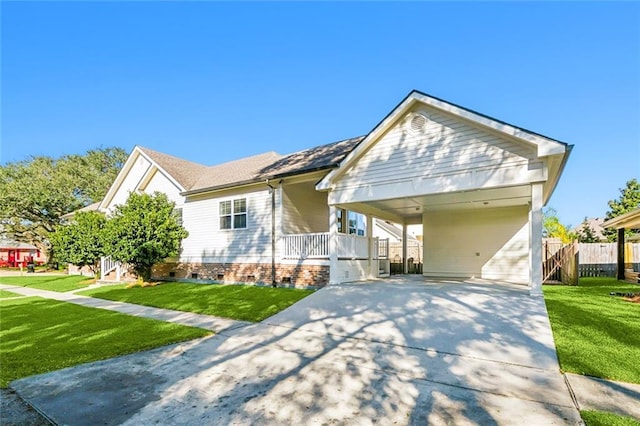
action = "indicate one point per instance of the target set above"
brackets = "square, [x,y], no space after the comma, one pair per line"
[630,220]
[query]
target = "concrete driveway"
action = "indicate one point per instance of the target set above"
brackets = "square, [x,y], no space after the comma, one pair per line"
[404,351]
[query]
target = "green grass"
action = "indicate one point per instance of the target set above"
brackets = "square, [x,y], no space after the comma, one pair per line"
[596,334]
[600,418]
[4,294]
[59,283]
[39,335]
[240,302]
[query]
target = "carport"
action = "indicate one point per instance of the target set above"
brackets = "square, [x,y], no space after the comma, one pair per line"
[476,184]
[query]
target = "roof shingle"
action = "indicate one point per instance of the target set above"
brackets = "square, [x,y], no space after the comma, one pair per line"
[196,178]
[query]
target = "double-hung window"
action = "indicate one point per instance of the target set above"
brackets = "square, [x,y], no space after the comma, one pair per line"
[233,214]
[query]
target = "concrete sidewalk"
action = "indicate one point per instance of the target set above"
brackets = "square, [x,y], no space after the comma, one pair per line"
[593,393]
[207,322]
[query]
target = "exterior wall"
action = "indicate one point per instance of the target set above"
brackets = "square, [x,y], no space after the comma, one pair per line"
[354,270]
[449,155]
[130,182]
[21,255]
[207,243]
[304,210]
[161,183]
[491,244]
[297,275]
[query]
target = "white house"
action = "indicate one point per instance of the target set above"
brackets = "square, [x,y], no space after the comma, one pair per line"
[476,185]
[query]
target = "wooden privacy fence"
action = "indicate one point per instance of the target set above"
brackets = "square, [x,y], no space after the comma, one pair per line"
[600,259]
[567,262]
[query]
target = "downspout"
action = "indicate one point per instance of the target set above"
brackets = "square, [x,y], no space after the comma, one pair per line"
[273,233]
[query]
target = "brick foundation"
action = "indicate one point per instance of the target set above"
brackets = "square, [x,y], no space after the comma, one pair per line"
[260,273]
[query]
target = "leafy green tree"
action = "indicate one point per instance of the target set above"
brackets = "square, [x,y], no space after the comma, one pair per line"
[81,242]
[629,200]
[143,232]
[37,192]
[552,228]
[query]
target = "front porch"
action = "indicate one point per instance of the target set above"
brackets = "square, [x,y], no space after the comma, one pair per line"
[351,257]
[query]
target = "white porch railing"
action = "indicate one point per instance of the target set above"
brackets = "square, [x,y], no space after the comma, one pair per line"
[306,246]
[316,246]
[353,247]
[108,265]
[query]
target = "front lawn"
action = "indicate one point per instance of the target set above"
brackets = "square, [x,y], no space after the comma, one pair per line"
[4,294]
[59,283]
[240,302]
[40,335]
[600,418]
[596,334]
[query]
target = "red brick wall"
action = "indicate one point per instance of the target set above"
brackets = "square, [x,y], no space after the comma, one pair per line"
[299,275]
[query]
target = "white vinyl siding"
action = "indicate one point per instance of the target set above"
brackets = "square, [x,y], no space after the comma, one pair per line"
[488,243]
[161,183]
[304,210]
[448,145]
[208,243]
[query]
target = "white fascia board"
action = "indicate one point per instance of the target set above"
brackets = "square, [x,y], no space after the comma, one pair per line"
[133,156]
[161,170]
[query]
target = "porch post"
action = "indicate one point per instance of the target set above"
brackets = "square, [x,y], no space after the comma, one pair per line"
[535,240]
[333,245]
[620,274]
[405,259]
[371,249]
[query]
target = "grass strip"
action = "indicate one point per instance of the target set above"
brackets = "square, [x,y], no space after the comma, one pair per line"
[600,418]
[596,334]
[40,335]
[59,283]
[239,302]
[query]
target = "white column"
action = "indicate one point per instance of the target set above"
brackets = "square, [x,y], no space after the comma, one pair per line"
[371,264]
[279,222]
[102,266]
[535,240]
[333,246]
[405,267]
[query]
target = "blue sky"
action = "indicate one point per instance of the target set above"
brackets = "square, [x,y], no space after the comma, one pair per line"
[213,82]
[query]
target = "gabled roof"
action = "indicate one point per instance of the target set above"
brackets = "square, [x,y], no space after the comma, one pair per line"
[544,146]
[185,172]
[6,243]
[242,171]
[271,165]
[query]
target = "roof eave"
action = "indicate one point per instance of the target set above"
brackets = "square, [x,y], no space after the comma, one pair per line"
[249,182]
[629,220]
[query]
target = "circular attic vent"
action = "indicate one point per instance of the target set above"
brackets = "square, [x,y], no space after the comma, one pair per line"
[418,123]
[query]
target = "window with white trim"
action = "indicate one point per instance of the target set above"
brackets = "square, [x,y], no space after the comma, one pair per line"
[177,213]
[233,214]
[356,223]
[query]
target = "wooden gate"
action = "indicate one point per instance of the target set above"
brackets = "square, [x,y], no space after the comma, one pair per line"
[560,263]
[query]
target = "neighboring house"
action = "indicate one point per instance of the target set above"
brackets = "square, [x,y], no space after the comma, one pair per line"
[476,185]
[15,254]
[595,223]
